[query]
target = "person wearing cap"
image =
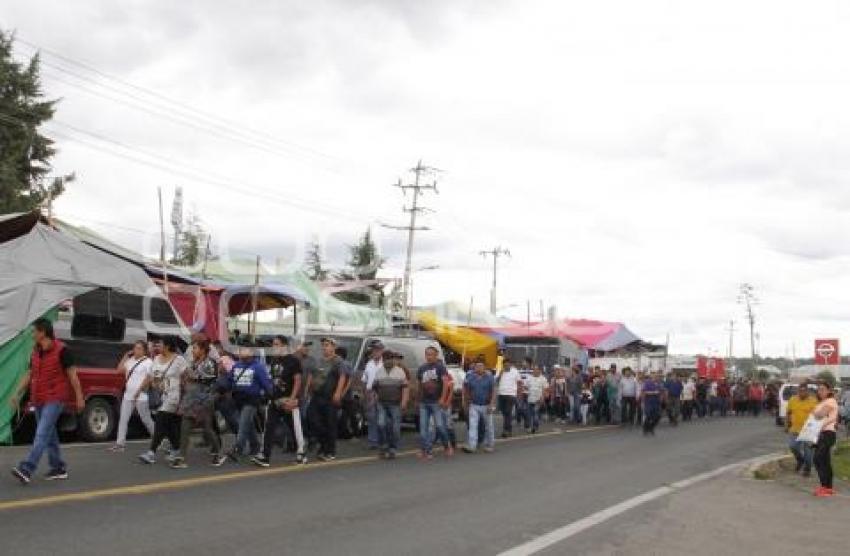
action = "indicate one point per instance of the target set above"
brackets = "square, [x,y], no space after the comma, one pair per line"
[434,389]
[326,385]
[391,390]
[375,363]
[248,381]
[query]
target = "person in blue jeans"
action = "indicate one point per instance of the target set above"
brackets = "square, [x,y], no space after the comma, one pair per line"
[248,380]
[52,381]
[479,398]
[391,387]
[434,390]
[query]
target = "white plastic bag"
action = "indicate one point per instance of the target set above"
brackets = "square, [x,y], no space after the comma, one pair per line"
[811,430]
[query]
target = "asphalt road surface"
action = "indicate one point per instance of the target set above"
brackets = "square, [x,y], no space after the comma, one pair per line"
[472,504]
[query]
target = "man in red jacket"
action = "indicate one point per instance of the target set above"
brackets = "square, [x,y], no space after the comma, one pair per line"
[53,384]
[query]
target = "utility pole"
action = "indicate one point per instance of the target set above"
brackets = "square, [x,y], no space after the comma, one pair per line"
[496,252]
[747,297]
[177,218]
[420,172]
[729,355]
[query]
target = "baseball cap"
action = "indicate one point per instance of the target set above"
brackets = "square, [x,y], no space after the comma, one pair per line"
[328,340]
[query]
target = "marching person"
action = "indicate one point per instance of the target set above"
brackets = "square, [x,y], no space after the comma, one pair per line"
[559,399]
[164,382]
[673,397]
[538,389]
[282,413]
[53,383]
[197,404]
[326,385]
[375,362]
[651,397]
[248,380]
[508,386]
[628,397]
[479,398]
[434,389]
[800,407]
[827,412]
[136,367]
[391,386]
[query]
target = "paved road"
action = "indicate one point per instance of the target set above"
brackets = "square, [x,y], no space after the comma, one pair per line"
[480,504]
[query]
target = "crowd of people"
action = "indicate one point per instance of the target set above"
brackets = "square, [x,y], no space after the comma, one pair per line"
[286,397]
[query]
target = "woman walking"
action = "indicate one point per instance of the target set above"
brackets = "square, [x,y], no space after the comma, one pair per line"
[827,412]
[136,366]
[166,372]
[197,404]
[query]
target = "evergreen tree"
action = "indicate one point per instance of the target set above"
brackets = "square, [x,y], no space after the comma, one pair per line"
[25,152]
[313,263]
[192,243]
[363,264]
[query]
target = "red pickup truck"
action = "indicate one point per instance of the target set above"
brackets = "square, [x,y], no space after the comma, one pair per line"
[97,344]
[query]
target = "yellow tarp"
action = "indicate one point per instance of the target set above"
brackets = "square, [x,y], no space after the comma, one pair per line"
[460,338]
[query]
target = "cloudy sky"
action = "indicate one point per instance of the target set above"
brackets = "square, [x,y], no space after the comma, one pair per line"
[639,159]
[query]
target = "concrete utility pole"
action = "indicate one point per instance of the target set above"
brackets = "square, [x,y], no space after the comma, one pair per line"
[730,355]
[177,218]
[496,252]
[747,297]
[420,172]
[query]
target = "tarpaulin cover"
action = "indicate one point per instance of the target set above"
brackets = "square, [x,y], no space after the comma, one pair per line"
[43,267]
[590,334]
[14,361]
[461,339]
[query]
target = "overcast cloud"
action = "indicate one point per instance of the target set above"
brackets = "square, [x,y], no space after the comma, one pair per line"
[640,159]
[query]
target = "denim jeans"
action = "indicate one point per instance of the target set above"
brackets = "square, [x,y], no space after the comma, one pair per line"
[247,437]
[388,418]
[426,411]
[802,451]
[576,407]
[533,415]
[46,438]
[480,413]
[372,433]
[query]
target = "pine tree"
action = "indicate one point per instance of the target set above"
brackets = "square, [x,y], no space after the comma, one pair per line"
[363,264]
[314,265]
[192,244]
[25,152]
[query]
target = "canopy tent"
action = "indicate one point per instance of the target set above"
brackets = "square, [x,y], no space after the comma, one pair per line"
[461,339]
[41,267]
[204,308]
[324,309]
[590,334]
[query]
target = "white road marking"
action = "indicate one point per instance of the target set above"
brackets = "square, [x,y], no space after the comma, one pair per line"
[571,529]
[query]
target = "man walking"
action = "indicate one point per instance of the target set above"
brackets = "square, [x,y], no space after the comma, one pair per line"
[375,363]
[575,385]
[434,390]
[799,408]
[283,412]
[689,390]
[509,384]
[612,384]
[327,386]
[391,390]
[537,388]
[673,398]
[248,381]
[53,384]
[479,395]
[651,394]
[628,397]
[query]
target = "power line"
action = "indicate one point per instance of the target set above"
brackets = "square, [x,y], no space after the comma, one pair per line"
[176,105]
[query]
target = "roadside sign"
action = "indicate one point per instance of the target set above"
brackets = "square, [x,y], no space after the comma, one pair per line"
[826,351]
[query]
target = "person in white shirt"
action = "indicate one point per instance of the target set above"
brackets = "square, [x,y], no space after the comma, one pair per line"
[688,392]
[628,393]
[537,388]
[376,362]
[509,383]
[136,367]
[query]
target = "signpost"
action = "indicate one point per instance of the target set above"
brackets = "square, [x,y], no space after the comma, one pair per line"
[827,352]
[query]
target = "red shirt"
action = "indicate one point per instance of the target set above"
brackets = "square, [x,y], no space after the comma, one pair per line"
[49,378]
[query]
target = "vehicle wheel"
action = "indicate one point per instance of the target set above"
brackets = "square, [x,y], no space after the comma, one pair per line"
[98,421]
